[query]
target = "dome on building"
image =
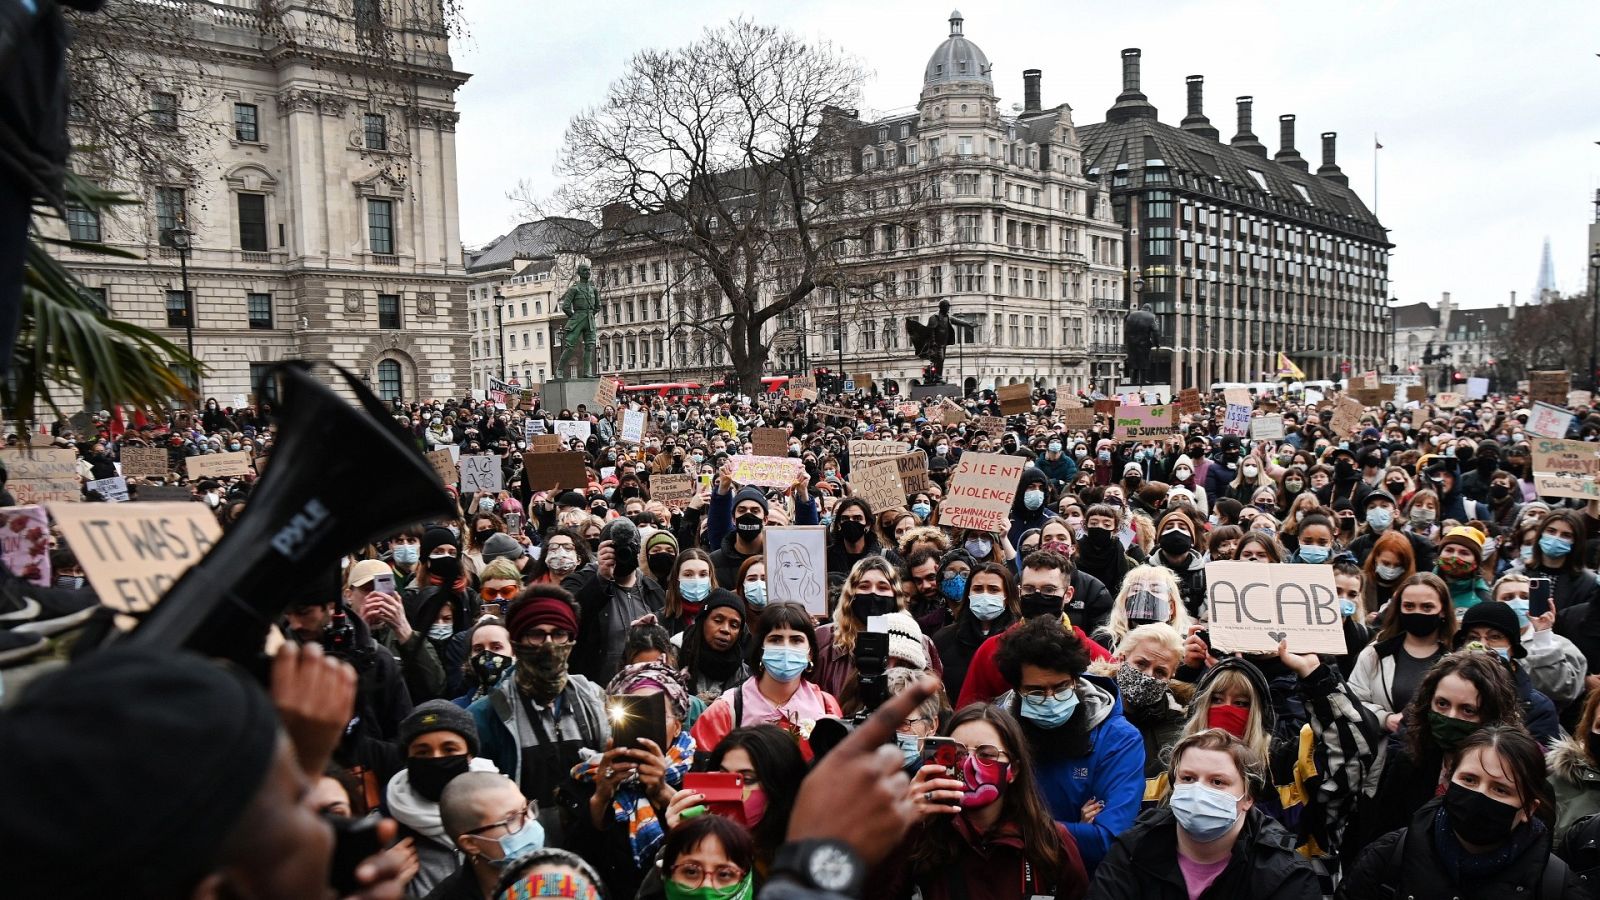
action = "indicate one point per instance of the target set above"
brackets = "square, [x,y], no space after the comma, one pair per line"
[957,59]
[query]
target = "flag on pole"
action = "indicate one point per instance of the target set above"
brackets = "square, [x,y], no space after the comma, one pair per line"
[1287,369]
[1375,143]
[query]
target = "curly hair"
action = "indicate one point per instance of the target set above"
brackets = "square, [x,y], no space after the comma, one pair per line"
[1044,642]
[1497,698]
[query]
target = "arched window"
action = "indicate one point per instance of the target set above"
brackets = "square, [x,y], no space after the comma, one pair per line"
[388,380]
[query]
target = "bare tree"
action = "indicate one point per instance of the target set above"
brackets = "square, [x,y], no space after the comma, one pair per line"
[717,151]
[1555,334]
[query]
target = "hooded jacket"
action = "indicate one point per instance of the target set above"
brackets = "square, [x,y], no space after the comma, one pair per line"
[1023,518]
[1576,781]
[1143,864]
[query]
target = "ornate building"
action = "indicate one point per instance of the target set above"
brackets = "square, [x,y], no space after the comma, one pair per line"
[318,195]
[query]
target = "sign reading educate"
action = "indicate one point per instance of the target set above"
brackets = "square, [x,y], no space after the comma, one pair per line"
[981,490]
[1253,606]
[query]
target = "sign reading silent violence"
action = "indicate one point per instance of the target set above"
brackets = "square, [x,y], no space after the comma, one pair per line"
[1253,606]
[981,490]
[133,552]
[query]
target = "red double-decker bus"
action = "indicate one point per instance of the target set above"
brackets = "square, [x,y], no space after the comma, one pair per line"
[672,390]
[772,384]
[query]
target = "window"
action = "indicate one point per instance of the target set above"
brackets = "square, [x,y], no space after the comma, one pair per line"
[911,154]
[380,226]
[260,310]
[262,384]
[246,122]
[177,309]
[967,227]
[170,205]
[388,380]
[164,111]
[375,128]
[936,279]
[83,224]
[1260,180]
[253,222]
[388,310]
[964,146]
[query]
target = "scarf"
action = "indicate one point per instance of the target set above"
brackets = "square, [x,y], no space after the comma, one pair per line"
[542,670]
[632,805]
[417,812]
[1471,868]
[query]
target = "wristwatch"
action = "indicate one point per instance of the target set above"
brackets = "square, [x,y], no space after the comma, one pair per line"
[826,865]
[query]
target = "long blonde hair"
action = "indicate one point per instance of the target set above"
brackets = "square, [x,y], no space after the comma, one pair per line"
[1178,618]
[1234,681]
[844,624]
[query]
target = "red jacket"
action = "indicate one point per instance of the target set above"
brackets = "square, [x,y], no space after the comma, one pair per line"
[984,682]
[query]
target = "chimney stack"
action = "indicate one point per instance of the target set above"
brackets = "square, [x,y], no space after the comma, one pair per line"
[1030,89]
[1196,120]
[1287,154]
[1329,168]
[1246,139]
[1131,103]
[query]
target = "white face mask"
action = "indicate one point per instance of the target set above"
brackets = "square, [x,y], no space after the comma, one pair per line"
[561,560]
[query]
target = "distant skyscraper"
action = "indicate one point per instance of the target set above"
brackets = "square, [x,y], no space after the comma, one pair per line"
[1546,288]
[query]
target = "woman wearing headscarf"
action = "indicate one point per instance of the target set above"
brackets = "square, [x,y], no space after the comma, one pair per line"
[714,648]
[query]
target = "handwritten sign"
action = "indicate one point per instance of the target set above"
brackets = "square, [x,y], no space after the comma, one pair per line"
[1107,407]
[1549,421]
[797,566]
[877,481]
[802,385]
[1237,397]
[908,410]
[1448,400]
[113,489]
[994,426]
[1416,393]
[444,465]
[861,449]
[1347,416]
[837,412]
[1267,428]
[1074,415]
[42,475]
[218,465]
[133,552]
[1580,398]
[632,427]
[1237,420]
[481,473]
[674,490]
[913,468]
[767,471]
[605,392]
[1143,423]
[951,412]
[1253,606]
[1566,468]
[571,428]
[1189,401]
[162,493]
[769,442]
[1014,398]
[981,490]
[544,443]
[550,471]
[1549,387]
[144,462]
[25,543]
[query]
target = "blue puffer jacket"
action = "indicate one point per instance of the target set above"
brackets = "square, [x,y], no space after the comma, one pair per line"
[1111,768]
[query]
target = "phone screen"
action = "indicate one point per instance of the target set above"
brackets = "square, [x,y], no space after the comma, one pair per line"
[1538,596]
[635,716]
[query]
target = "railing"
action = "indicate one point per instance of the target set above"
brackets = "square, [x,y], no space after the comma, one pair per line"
[380,259]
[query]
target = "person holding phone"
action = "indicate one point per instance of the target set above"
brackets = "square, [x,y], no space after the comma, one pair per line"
[770,768]
[1558,555]
[370,592]
[1555,665]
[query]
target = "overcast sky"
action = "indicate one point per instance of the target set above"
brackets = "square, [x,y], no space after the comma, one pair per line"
[1488,112]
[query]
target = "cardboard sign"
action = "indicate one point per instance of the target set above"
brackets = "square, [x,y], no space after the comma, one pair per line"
[1448,400]
[1253,606]
[837,412]
[769,442]
[1267,428]
[1189,401]
[952,413]
[605,393]
[674,490]
[908,410]
[1371,396]
[162,493]
[863,381]
[1566,468]
[114,489]
[42,475]
[877,481]
[1105,407]
[25,543]
[913,468]
[1580,398]
[797,566]
[1143,423]
[570,428]
[144,462]
[864,449]
[632,427]
[1238,397]
[544,443]
[133,552]
[1416,393]
[443,466]
[767,471]
[1014,398]
[1237,420]
[1549,387]
[801,385]
[481,473]
[218,465]
[993,426]
[1549,421]
[1347,416]
[1075,416]
[981,490]
[550,471]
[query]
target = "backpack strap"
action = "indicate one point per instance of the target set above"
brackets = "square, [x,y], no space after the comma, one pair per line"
[738,707]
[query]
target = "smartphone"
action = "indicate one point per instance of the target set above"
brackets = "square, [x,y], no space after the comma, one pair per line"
[1538,596]
[354,840]
[724,792]
[514,523]
[705,481]
[635,716]
[943,751]
[383,583]
[494,608]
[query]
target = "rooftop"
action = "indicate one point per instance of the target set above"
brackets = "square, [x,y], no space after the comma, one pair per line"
[531,240]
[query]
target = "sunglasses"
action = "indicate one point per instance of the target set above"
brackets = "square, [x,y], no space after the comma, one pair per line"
[509,592]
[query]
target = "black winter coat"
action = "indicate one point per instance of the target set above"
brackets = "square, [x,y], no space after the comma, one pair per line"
[1143,864]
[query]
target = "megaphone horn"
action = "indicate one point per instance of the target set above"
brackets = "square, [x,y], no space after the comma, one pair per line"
[338,480]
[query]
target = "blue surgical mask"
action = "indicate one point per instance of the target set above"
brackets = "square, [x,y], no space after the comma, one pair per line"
[1347,608]
[1520,607]
[784,663]
[1205,813]
[406,554]
[921,511]
[486,504]
[1379,518]
[1053,446]
[986,607]
[1311,553]
[1033,499]
[234,447]
[529,837]
[1552,546]
[910,746]
[1526,553]
[1051,712]
[755,593]
[979,547]
[694,590]
[826,519]
[954,587]
[441,631]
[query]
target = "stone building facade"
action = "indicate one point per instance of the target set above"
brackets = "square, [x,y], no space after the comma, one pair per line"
[320,194]
[528,269]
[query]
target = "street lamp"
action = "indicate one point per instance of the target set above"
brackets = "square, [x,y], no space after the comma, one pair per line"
[500,322]
[179,237]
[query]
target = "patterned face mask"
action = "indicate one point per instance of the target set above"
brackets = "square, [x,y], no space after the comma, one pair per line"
[1139,690]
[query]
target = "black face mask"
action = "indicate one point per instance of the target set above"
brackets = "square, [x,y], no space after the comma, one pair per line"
[1419,624]
[446,567]
[1097,538]
[594,544]
[1036,603]
[1176,543]
[863,606]
[852,531]
[429,775]
[1478,818]
[1396,488]
[661,564]
[483,536]
[1499,492]
[749,524]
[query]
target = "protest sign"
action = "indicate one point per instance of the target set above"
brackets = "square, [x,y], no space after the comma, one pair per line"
[981,490]
[802,385]
[1448,400]
[1267,428]
[113,489]
[218,465]
[25,543]
[544,443]
[913,471]
[951,412]
[1014,398]
[632,427]
[162,493]
[1566,468]
[837,412]
[767,471]
[42,475]
[993,426]
[1237,420]
[674,490]
[1143,423]
[1075,416]
[909,410]
[863,381]
[1549,387]
[144,462]
[570,428]
[551,471]
[1253,606]
[1549,421]
[443,466]
[1237,397]
[1416,393]
[1347,416]
[1105,407]
[532,426]
[133,552]
[1477,388]
[1189,401]
[877,481]
[797,566]
[481,473]
[605,392]
[861,449]
[1579,398]
[769,441]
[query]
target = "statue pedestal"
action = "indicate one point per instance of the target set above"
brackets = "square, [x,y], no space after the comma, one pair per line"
[924,391]
[566,393]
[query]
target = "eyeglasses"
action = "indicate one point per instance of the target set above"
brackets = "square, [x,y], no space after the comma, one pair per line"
[514,822]
[988,753]
[545,637]
[692,874]
[1038,695]
[509,592]
[911,722]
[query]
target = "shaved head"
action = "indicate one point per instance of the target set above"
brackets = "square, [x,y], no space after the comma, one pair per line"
[474,799]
